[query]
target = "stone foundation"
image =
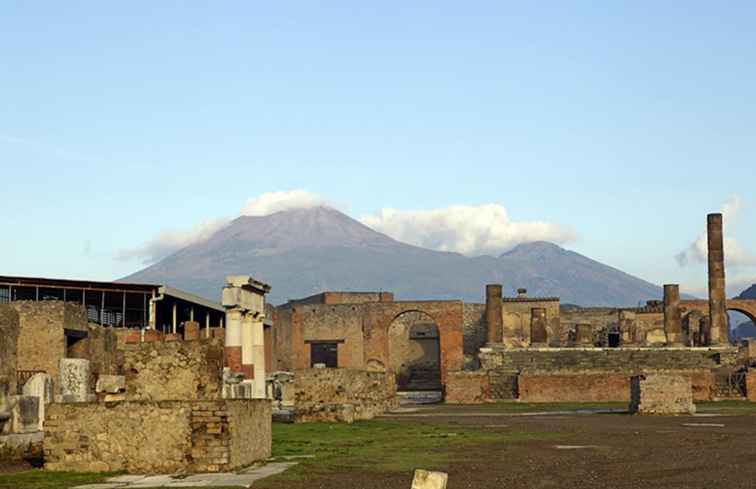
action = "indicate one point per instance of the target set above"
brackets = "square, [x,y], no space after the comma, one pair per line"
[661,394]
[467,388]
[577,387]
[342,395]
[157,437]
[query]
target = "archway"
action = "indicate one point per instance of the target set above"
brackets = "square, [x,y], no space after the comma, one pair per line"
[414,352]
[742,324]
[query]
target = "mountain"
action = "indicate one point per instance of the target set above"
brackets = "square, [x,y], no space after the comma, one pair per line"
[305,251]
[749,293]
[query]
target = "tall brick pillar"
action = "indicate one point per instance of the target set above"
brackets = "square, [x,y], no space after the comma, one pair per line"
[717,298]
[494,319]
[233,339]
[672,316]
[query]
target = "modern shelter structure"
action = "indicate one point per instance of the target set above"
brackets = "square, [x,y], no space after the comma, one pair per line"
[119,304]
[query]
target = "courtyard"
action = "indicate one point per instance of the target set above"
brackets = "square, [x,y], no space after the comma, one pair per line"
[512,445]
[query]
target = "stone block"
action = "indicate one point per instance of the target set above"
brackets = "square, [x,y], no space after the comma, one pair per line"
[425,479]
[74,380]
[26,415]
[152,336]
[661,394]
[172,337]
[110,384]
[191,331]
[40,385]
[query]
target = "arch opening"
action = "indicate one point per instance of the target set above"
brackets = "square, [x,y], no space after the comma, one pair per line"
[415,352]
[742,324]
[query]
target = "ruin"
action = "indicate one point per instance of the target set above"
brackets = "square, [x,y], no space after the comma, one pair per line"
[92,391]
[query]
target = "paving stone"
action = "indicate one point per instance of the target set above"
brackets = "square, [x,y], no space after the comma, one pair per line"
[103,485]
[425,479]
[127,478]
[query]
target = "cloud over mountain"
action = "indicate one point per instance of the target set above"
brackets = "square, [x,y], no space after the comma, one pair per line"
[467,229]
[470,230]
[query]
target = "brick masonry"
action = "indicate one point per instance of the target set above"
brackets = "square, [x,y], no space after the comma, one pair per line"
[751,385]
[467,388]
[157,437]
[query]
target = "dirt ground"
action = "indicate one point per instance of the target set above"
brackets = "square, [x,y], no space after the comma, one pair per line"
[604,451]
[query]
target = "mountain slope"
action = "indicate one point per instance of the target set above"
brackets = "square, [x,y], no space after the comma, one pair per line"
[305,251]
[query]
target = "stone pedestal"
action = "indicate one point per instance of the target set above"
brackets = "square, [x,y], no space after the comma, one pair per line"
[661,394]
[74,380]
[41,386]
[584,335]
[26,415]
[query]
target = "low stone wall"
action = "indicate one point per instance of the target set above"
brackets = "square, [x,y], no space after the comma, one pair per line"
[577,387]
[342,395]
[661,394]
[189,370]
[635,360]
[157,437]
[21,446]
[467,388]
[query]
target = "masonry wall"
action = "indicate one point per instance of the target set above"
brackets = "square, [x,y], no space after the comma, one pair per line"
[467,388]
[577,387]
[474,330]
[9,331]
[517,317]
[42,341]
[342,395]
[157,437]
[100,347]
[187,370]
[607,359]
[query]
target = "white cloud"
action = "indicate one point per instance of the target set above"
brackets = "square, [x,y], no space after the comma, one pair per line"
[735,254]
[170,241]
[272,202]
[466,229]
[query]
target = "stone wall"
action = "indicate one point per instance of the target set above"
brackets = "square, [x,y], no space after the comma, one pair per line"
[157,437]
[342,395]
[661,394]
[474,330]
[186,370]
[467,388]
[100,347]
[42,340]
[9,331]
[517,321]
[630,360]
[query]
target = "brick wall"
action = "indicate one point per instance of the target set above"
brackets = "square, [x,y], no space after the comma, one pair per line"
[157,437]
[579,387]
[751,385]
[342,395]
[190,370]
[474,330]
[467,388]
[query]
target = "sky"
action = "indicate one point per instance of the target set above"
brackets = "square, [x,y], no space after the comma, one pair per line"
[611,128]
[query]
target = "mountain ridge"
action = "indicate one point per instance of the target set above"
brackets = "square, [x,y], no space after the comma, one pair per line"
[301,252]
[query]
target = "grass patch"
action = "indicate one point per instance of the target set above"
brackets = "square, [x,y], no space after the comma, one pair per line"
[39,479]
[734,408]
[379,445]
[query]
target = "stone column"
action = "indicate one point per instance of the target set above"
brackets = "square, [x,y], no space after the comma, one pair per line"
[247,345]
[672,317]
[494,319]
[233,350]
[258,354]
[717,298]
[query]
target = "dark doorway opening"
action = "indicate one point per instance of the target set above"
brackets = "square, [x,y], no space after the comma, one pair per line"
[324,353]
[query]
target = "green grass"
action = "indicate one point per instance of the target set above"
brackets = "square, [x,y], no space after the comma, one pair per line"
[379,446]
[39,479]
[734,408]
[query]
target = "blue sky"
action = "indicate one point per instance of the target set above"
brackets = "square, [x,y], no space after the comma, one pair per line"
[624,122]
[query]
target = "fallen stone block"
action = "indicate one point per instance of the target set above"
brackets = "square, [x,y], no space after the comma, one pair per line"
[110,384]
[425,479]
[661,394]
